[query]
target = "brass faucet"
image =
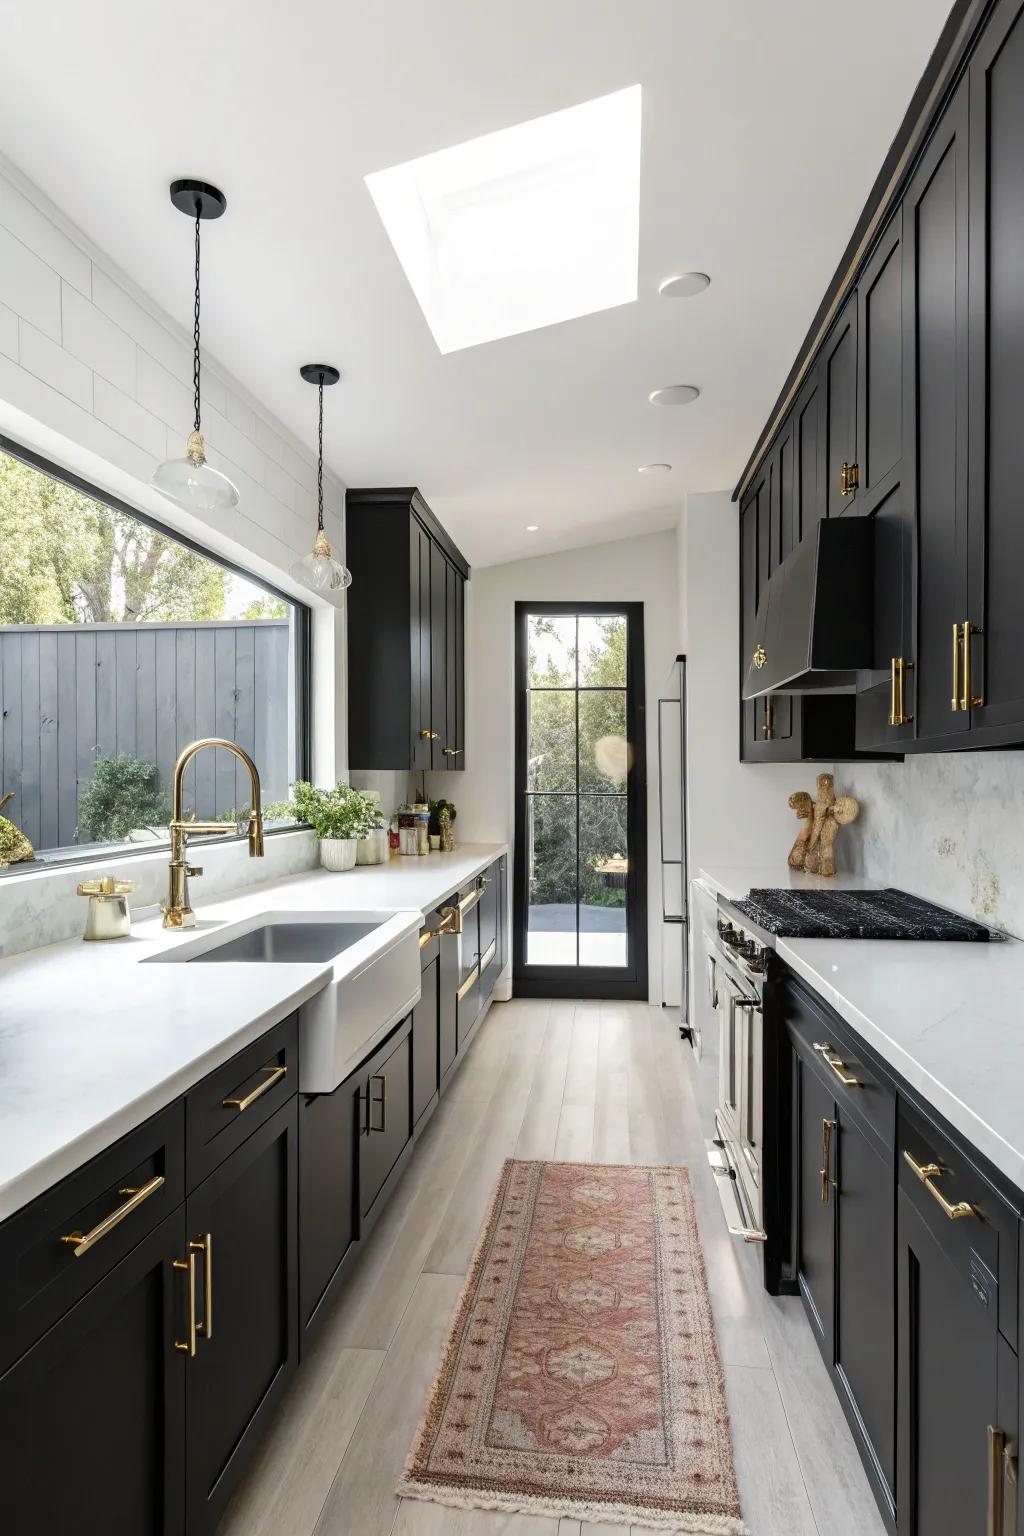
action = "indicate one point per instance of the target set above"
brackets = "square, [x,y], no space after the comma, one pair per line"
[178,913]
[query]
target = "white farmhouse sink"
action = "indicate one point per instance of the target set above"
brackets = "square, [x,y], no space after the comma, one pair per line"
[375,977]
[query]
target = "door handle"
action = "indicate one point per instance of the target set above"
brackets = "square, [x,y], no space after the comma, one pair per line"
[82,1242]
[188,1344]
[452,751]
[996,1451]
[897,696]
[274,1075]
[926,1173]
[826,1160]
[830,1059]
[204,1244]
[382,1102]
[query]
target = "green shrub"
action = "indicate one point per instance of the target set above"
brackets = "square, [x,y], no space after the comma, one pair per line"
[123,793]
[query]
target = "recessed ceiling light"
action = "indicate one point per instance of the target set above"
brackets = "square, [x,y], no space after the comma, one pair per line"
[522,228]
[531,527]
[674,394]
[654,469]
[684,285]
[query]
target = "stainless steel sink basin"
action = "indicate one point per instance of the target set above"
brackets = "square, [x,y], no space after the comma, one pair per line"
[283,942]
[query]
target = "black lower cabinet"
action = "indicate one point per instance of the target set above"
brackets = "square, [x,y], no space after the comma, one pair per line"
[242,1229]
[385,1109]
[425,1065]
[815,1114]
[328,1220]
[92,1418]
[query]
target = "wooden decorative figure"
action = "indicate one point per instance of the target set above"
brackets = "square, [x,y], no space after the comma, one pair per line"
[14,845]
[815,848]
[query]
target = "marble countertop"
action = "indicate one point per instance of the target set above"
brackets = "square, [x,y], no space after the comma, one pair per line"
[92,1042]
[945,1016]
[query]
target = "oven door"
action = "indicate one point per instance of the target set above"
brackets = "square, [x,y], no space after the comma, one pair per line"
[730,1008]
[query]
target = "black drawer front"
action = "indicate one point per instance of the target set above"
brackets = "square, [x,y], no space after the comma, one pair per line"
[386,1122]
[853,1083]
[227,1106]
[975,1227]
[108,1206]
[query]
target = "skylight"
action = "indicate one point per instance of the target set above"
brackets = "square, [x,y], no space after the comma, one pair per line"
[521,228]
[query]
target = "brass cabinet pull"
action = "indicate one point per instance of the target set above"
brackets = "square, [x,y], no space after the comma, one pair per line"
[428,735]
[759,657]
[83,1242]
[954,702]
[897,696]
[849,478]
[452,751]
[927,1172]
[829,1057]
[996,1449]
[469,902]
[968,699]
[470,981]
[377,1077]
[204,1244]
[188,1347]
[274,1075]
[446,925]
[826,1160]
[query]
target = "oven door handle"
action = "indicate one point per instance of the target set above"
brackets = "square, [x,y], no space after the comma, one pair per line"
[712,979]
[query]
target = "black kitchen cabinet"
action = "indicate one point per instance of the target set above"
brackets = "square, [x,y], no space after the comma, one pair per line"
[242,1227]
[92,1418]
[328,1218]
[814,1114]
[838,374]
[406,625]
[385,1126]
[426,1017]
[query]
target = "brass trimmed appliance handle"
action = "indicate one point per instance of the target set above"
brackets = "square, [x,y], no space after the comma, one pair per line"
[829,1057]
[274,1075]
[83,1242]
[445,926]
[204,1244]
[926,1173]
[188,1345]
[469,983]
[469,902]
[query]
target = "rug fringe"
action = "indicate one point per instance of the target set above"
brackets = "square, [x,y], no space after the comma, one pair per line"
[574,1509]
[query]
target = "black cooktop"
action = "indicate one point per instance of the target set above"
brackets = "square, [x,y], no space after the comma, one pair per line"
[888,914]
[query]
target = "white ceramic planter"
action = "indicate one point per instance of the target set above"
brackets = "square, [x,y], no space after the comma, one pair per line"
[338,853]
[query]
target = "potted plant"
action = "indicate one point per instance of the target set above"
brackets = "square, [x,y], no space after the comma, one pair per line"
[442,814]
[339,817]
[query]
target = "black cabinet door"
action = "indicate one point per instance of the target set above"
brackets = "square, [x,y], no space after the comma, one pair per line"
[386,1120]
[92,1419]
[995,557]
[327,1190]
[419,641]
[865,1337]
[880,368]
[242,1225]
[838,373]
[935,375]
[438,658]
[815,1195]
[950,1360]
[454,742]
[748,613]
[807,458]
[425,1069]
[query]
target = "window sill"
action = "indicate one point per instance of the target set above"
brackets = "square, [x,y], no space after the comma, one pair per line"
[67,860]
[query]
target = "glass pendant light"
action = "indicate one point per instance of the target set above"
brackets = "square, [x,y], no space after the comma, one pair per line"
[319,569]
[191,481]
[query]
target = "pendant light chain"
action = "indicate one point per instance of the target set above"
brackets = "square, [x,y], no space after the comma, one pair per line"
[195,330]
[320,465]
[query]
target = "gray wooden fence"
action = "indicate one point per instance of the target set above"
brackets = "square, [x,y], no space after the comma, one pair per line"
[70,693]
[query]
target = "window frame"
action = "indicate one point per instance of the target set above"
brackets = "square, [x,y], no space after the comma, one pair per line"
[301,680]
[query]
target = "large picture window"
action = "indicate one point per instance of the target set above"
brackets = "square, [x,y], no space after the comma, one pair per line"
[120,643]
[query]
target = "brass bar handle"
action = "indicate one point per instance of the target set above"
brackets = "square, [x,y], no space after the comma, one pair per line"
[954,702]
[829,1057]
[826,1160]
[849,478]
[893,713]
[377,1077]
[84,1241]
[188,1347]
[898,697]
[996,1448]
[469,902]
[968,698]
[470,981]
[926,1173]
[274,1075]
[445,926]
[204,1244]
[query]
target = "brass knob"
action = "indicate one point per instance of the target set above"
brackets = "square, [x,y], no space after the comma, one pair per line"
[759,657]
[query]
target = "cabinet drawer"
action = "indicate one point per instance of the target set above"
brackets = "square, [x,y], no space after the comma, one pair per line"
[853,1083]
[970,1220]
[108,1206]
[228,1105]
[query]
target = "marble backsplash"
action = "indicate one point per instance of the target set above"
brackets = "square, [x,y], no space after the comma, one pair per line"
[946,826]
[39,905]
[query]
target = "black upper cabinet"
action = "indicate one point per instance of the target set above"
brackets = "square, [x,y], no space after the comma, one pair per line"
[991,672]
[838,374]
[406,617]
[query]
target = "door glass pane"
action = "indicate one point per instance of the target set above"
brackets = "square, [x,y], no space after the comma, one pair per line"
[551,746]
[551,879]
[603,867]
[602,647]
[604,751]
[552,650]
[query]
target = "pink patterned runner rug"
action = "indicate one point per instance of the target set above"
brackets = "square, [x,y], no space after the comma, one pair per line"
[581,1374]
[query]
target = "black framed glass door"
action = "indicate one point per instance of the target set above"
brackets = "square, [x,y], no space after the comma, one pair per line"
[580,890]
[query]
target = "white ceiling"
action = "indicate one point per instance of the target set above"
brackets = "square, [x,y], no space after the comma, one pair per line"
[764,127]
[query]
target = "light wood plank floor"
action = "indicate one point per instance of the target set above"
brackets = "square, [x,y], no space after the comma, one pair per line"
[583,1082]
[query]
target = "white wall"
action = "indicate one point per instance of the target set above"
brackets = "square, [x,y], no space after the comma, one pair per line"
[629,570]
[97,378]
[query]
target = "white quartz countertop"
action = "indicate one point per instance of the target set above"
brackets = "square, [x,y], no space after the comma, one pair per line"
[949,1018]
[92,1042]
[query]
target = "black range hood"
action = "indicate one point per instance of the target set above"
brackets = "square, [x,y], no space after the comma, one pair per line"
[813,631]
